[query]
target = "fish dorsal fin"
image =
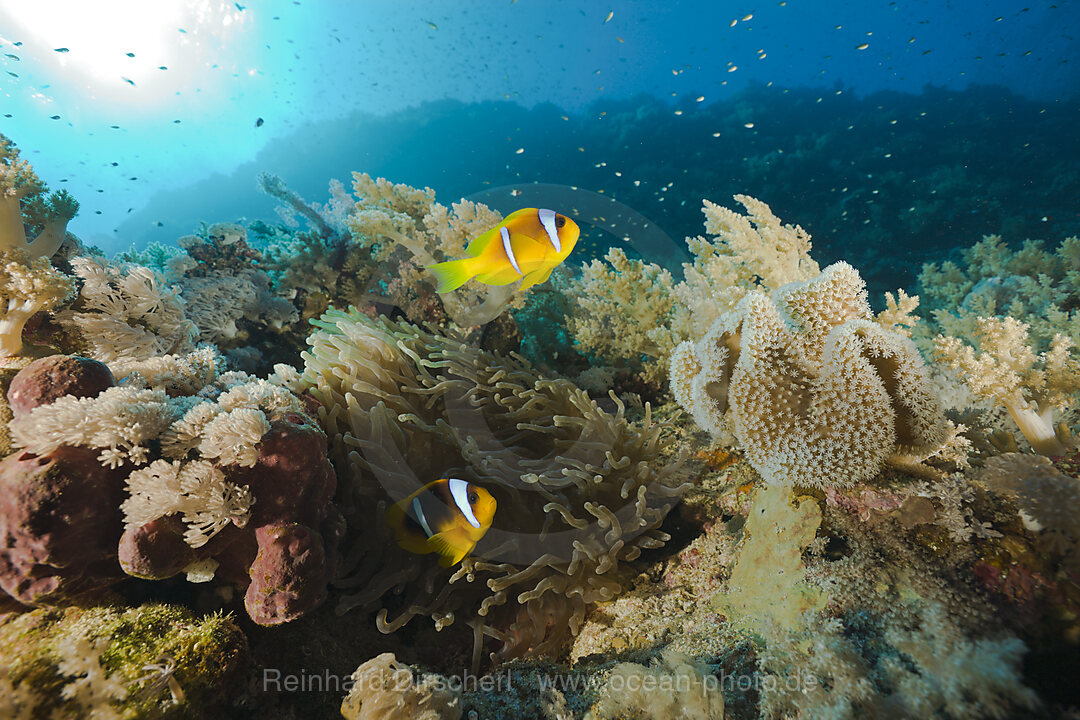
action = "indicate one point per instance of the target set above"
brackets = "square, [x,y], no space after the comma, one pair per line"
[479,244]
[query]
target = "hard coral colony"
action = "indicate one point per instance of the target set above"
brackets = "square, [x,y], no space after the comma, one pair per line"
[175,436]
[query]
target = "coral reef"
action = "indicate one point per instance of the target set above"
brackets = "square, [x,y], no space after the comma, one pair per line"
[843,549]
[384,689]
[813,390]
[243,488]
[1007,371]
[578,490]
[629,309]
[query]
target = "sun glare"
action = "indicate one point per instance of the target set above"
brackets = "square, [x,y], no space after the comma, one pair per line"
[128,51]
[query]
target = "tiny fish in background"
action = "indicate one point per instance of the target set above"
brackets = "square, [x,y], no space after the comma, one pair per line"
[448,517]
[259,122]
[526,246]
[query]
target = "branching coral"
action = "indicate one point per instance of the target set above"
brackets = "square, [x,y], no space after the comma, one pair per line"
[28,283]
[635,309]
[23,194]
[374,249]
[578,489]
[1007,371]
[813,390]
[334,232]
[1035,285]
[27,286]
[388,217]
[623,305]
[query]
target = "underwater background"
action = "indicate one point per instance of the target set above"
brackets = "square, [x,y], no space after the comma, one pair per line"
[788,432]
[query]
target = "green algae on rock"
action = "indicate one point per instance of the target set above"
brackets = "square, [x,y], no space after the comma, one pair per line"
[153,662]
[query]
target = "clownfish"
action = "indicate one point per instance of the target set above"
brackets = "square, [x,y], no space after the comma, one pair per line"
[448,517]
[526,246]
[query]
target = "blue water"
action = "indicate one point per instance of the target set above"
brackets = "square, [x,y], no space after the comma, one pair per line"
[873,124]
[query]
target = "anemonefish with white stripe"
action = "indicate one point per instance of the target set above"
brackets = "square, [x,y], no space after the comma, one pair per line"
[448,517]
[526,246]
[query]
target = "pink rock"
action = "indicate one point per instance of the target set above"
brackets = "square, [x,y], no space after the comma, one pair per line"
[289,576]
[49,378]
[59,520]
[156,550]
[286,552]
[292,480]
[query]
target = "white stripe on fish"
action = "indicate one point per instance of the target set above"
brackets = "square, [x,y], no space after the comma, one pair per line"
[460,490]
[420,516]
[547,219]
[510,254]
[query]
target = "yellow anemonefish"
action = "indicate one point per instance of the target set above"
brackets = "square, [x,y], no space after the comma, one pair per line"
[526,246]
[448,517]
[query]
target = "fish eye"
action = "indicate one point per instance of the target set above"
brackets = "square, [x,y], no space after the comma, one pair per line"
[473,497]
[559,221]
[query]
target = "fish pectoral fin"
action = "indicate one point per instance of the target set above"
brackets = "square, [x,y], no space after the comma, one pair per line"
[499,276]
[450,547]
[536,277]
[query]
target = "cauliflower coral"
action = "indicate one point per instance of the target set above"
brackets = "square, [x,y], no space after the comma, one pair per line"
[28,283]
[815,391]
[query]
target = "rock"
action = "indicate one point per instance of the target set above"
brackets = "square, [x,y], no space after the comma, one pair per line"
[59,520]
[156,550]
[289,576]
[292,480]
[52,377]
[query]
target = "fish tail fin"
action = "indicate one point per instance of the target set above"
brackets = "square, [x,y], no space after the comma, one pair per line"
[452,274]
